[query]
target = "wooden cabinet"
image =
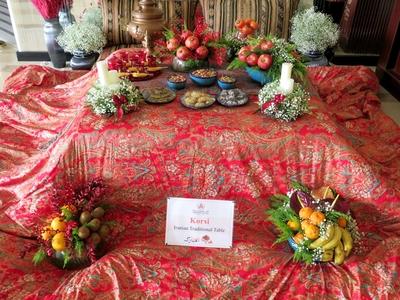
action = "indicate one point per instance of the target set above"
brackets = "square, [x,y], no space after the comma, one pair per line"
[388,68]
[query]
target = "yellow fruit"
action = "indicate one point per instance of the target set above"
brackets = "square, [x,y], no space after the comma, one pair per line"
[304,224]
[342,222]
[298,238]
[317,217]
[58,242]
[58,224]
[294,224]
[47,233]
[305,212]
[311,232]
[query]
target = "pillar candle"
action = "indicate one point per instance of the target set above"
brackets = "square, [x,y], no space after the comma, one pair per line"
[286,71]
[102,72]
[113,77]
[286,86]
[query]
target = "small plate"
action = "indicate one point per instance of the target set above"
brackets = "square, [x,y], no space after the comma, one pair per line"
[158,95]
[235,91]
[194,107]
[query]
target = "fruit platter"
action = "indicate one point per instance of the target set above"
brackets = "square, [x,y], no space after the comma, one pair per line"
[307,220]
[158,95]
[197,99]
[135,66]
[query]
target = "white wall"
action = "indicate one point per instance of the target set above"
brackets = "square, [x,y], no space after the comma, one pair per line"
[28,23]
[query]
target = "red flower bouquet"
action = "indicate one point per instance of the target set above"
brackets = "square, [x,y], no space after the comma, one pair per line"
[76,229]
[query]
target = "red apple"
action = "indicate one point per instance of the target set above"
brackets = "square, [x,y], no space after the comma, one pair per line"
[185,34]
[172,44]
[243,53]
[267,45]
[264,61]
[192,42]
[183,53]
[202,52]
[252,59]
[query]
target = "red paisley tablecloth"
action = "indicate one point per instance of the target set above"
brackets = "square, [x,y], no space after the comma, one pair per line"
[48,137]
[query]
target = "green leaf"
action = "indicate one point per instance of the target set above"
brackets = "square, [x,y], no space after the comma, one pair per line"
[68,215]
[298,186]
[278,200]
[236,64]
[279,217]
[39,256]
[66,259]
[334,215]
[168,34]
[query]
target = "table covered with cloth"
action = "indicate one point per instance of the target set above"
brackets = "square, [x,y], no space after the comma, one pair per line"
[48,136]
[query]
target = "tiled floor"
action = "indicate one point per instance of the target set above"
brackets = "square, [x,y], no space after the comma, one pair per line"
[8,62]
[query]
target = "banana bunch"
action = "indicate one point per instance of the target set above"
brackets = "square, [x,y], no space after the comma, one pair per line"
[336,244]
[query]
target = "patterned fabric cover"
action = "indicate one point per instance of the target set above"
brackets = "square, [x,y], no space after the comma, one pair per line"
[117,15]
[273,15]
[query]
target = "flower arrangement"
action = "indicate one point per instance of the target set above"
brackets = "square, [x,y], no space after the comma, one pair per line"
[192,47]
[115,99]
[313,31]
[76,228]
[266,54]
[48,8]
[82,37]
[93,15]
[314,229]
[277,105]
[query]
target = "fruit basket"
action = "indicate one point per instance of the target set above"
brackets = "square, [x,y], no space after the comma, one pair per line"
[307,220]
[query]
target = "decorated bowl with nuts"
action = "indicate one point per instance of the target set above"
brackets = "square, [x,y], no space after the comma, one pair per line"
[226,82]
[203,77]
[176,82]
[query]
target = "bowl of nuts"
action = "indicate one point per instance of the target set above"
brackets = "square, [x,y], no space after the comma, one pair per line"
[226,82]
[197,99]
[203,77]
[176,82]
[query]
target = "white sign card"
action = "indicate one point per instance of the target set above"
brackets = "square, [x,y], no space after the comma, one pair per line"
[199,222]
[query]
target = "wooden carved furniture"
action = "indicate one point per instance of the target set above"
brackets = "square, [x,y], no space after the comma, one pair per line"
[388,68]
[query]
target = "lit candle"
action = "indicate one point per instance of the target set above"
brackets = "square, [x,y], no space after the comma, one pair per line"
[102,72]
[113,77]
[286,83]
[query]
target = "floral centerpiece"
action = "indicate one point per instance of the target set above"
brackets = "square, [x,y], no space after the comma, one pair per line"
[77,228]
[192,49]
[313,32]
[236,39]
[307,220]
[118,98]
[83,40]
[262,58]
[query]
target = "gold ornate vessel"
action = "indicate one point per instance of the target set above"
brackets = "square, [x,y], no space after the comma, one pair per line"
[147,23]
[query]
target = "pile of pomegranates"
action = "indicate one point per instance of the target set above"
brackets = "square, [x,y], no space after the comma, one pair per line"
[258,55]
[246,27]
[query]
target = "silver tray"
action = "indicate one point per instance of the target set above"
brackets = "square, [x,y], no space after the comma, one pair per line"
[246,99]
[194,107]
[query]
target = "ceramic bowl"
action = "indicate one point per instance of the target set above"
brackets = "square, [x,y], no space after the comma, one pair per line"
[258,75]
[203,81]
[176,85]
[226,85]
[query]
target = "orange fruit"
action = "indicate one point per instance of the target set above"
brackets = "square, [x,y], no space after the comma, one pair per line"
[294,224]
[58,224]
[253,24]
[298,238]
[47,233]
[342,222]
[305,212]
[239,23]
[311,232]
[317,217]
[58,242]
[304,224]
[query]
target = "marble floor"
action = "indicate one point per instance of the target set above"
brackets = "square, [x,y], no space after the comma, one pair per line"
[8,62]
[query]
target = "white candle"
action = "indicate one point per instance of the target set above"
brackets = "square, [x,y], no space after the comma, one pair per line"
[113,77]
[286,86]
[286,71]
[102,72]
